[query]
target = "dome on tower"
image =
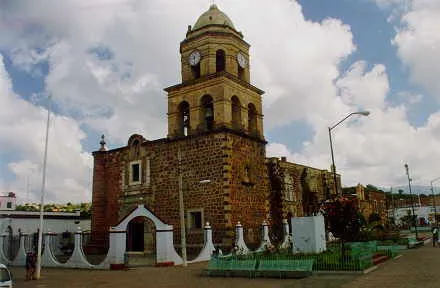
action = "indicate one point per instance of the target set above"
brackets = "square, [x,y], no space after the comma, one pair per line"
[213,17]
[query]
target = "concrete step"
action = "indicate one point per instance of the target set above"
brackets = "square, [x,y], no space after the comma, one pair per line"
[138,259]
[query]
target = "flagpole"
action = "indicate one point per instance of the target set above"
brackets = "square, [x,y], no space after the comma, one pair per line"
[43,186]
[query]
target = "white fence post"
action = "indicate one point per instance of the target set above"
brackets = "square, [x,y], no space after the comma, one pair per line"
[20,258]
[208,246]
[240,245]
[78,259]
[265,240]
[287,241]
[48,260]
[3,258]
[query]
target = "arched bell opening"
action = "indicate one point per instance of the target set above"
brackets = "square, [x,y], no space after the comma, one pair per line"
[236,113]
[252,119]
[207,111]
[183,119]
[220,60]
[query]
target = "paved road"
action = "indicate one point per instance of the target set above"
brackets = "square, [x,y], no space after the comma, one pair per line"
[416,268]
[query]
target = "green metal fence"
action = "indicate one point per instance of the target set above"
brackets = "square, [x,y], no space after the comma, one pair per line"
[341,257]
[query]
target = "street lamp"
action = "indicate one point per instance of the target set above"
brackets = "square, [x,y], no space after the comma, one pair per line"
[363,113]
[411,199]
[433,200]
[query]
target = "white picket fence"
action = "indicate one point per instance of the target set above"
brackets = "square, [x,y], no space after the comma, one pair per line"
[165,252]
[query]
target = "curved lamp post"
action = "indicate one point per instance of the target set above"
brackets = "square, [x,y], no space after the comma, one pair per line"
[363,113]
[433,200]
[411,199]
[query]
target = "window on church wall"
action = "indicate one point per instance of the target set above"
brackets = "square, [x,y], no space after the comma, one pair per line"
[252,119]
[194,218]
[135,173]
[246,175]
[207,112]
[184,118]
[136,147]
[288,187]
[147,172]
[236,112]
[220,61]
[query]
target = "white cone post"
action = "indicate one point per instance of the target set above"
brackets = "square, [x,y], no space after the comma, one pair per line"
[265,240]
[48,259]
[208,246]
[78,259]
[3,258]
[239,240]
[287,241]
[20,258]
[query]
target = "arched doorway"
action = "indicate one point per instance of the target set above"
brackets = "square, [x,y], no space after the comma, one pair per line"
[141,242]
[160,233]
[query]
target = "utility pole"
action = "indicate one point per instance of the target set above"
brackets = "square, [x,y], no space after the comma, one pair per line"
[414,218]
[43,186]
[433,200]
[182,209]
[392,206]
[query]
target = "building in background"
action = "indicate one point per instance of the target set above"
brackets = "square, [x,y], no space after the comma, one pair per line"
[28,222]
[369,202]
[8,201]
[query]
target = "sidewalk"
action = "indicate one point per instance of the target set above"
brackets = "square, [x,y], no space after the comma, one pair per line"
[416,268]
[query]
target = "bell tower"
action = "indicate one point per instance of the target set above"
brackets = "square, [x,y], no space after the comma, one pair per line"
[215,93]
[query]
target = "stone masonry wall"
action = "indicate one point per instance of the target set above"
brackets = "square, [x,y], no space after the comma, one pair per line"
[247,182]
[201,159]
[106,191]
[213,169]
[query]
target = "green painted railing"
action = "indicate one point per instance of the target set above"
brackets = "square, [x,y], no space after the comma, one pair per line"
[389,250]
[337,258]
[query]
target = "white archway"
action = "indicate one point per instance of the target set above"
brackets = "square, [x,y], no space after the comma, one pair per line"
[165,252]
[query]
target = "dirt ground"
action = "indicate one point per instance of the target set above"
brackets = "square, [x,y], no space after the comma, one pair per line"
[416,268]
[165,277]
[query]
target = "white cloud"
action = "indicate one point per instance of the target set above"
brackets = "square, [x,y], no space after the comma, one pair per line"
[145,58]
[22,134]
[388,3]
[296,61]
[411,98]
[418,44]
[364,89]
[371,149]
[289,64]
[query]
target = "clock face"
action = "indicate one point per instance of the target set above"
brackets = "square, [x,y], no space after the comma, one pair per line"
[241,59]
[194,58]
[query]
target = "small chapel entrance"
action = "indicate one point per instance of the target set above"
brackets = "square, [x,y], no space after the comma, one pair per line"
[135,236]
[141,242]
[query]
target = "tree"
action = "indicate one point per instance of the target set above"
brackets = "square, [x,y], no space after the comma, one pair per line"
[370,187]
[343,219]
[374,217]
[409,219]
[349,190]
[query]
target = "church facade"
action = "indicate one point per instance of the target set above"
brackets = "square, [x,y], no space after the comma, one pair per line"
[214,154]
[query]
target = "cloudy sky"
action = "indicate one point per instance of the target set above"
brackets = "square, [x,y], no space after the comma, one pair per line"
[105,63]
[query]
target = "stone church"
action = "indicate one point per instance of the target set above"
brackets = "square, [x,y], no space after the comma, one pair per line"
[214,153]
